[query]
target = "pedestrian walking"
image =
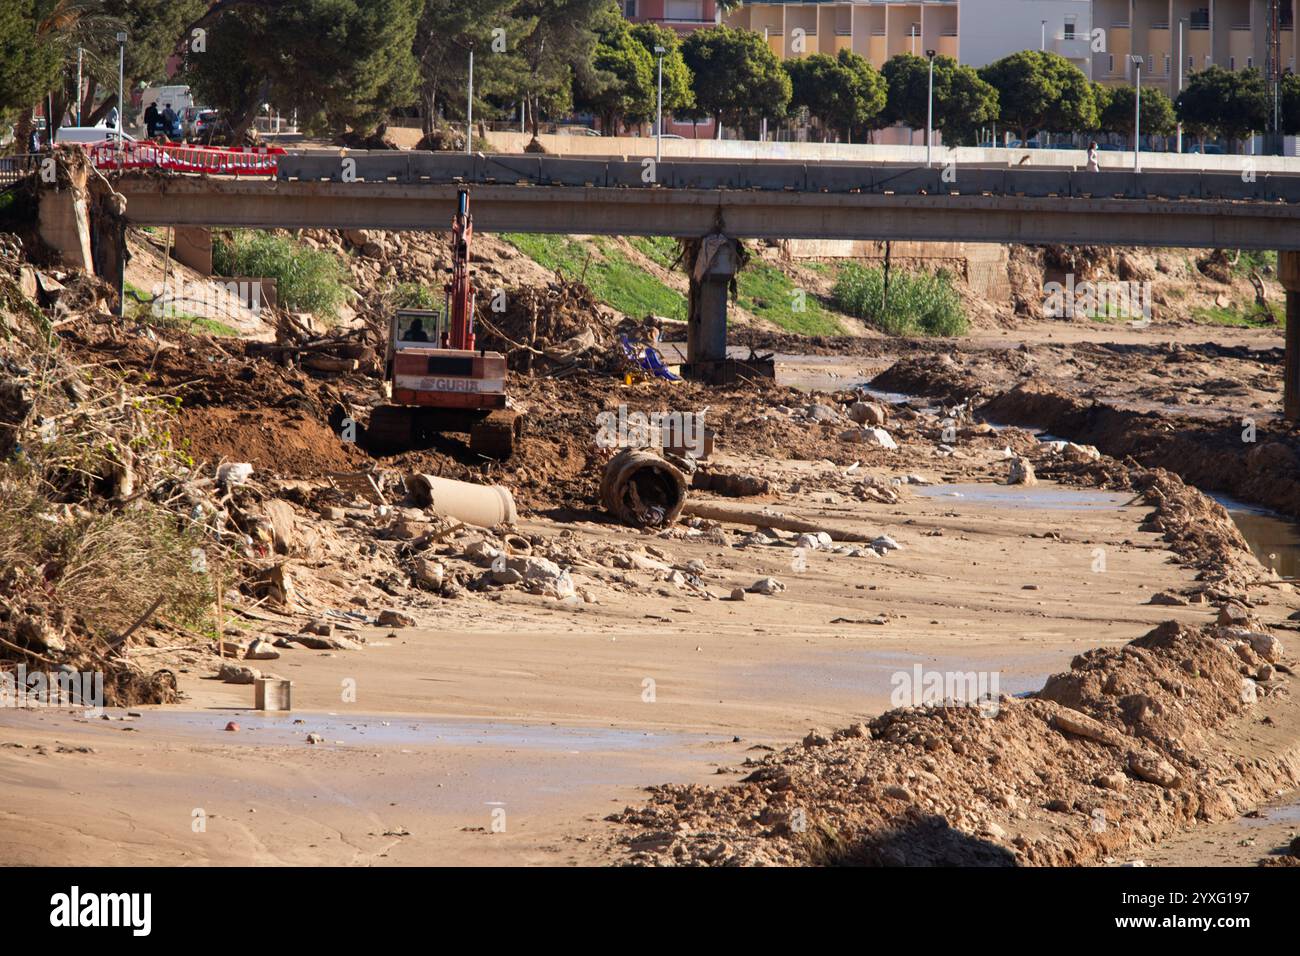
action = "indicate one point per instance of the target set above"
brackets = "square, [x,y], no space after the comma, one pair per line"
[1093,165]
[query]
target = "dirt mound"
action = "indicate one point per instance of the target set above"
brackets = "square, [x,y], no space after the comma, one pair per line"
[286,442]
[1126,747]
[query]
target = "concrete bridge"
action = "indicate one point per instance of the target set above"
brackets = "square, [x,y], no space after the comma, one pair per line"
[756,199]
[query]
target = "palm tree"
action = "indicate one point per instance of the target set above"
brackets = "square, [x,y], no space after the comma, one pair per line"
[67,26]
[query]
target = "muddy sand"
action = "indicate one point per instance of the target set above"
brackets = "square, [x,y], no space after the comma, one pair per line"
[510,730]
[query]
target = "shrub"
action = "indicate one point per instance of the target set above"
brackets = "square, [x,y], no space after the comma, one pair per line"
[919,303]
[307,280]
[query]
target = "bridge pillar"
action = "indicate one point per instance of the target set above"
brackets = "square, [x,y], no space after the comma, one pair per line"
[716,260]
[1288,273]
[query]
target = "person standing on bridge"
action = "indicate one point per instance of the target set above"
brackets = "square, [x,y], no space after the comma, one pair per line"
[1093,165]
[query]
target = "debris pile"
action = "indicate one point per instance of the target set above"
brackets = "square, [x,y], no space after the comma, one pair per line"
[1121,750]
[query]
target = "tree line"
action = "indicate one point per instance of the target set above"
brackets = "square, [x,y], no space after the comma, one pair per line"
[348,64]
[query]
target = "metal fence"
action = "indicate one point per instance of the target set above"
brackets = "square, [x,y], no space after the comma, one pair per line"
[16,167]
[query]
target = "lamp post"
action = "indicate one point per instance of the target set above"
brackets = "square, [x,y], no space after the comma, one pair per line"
[659,106]
[929,110]
[79,52]
[1137,110]
[469,107]
[1042,43]
[1179,88]
[121,87]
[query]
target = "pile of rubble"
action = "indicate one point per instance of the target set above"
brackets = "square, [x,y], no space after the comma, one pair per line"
[1123,749]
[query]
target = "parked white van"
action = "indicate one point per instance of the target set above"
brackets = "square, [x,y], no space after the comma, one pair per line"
[89,134]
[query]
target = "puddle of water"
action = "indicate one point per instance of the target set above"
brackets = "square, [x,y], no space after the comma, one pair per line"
[397,730]
[1288,813]
[1273,538]
[873,675]
[1042,497]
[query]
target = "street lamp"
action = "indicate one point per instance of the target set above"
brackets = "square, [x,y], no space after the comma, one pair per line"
[1042,44]
[929,110]
[659,108]
[1180,79]
[1137,109]
[121,86]
[469,107]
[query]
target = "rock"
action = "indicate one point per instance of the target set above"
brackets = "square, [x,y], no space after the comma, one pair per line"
[38,633]
[1081,725]
[481,553]
[315,739]
[1112,781]
[506,576]
[237,674]
[809,541]
[321,626]
[1249,691]
[696,566]
[1080,452]
[391,618]
[1154,769]
[878,436]
[885,543]
[895,792]
[766,586]
[817,737]
[1169,598]
[820,413]
[738,594]
[1233,614]
[261,650]
[232,727]
[868,413]
[429,574]
[1265,645]
[1022,472]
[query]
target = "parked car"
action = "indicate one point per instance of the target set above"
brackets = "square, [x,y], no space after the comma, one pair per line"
[1210,149]
[579,131]
[188,117]
[1111,148]
[210,125]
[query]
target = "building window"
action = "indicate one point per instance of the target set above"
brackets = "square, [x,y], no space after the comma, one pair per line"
[1250,62]
[1166,66]
[1068,32]
[629,8]
[1110,63]
[1232,62]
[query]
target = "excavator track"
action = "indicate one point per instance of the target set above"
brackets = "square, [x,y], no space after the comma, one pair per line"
[391,430]
[497,435]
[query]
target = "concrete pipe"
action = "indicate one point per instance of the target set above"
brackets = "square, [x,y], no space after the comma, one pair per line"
[483,505]
[640,488]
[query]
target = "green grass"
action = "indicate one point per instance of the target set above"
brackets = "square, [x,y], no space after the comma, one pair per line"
[307,279]
[612,277]
[140,308]
[919,303]
[1263,260]
[1236,317]
[770,294]
[661,250]
[417,295]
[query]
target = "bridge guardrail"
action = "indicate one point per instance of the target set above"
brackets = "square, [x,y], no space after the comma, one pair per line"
[802,177]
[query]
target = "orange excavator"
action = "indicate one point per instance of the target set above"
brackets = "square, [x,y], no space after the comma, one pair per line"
[437,381]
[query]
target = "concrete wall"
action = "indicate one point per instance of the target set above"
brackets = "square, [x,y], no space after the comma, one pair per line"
[632,146]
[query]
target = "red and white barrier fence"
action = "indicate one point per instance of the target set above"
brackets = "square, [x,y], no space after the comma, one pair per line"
[213,160]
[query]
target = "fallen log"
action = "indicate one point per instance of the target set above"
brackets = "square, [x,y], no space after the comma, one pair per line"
[768,519]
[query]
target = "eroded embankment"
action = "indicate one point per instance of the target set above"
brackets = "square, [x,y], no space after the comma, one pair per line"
[1127,747]
[1231,456]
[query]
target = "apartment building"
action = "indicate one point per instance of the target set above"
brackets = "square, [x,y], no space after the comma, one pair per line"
[680,15]
[1098,36]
